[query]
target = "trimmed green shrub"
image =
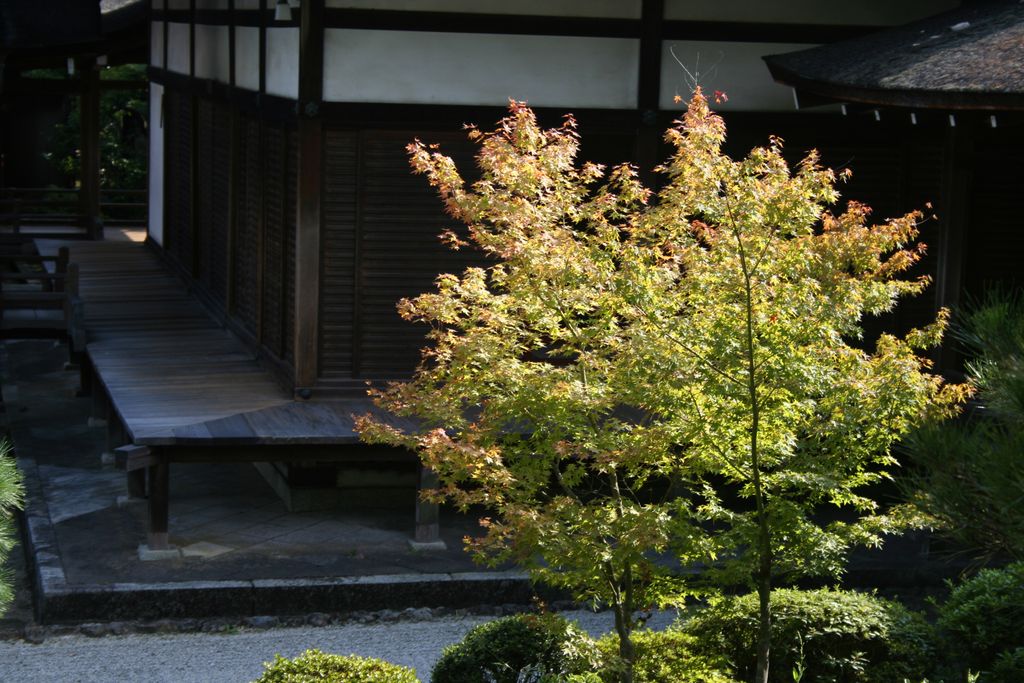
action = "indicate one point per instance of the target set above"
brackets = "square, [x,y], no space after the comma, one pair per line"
[499,650]
[835,636]
[983,617]
[663,657]
[314,666]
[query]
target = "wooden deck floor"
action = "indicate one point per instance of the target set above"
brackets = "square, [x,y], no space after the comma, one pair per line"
[174,375]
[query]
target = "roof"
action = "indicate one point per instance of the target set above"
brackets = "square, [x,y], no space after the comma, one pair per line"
[969,58]
[43,33]
[35,24]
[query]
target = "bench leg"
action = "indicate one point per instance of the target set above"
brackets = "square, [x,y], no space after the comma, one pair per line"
[116,436]
[136,481]
[159,504]
[85,377]
[100,408]
[428,527]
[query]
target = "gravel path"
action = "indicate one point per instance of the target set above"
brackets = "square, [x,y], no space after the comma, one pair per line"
[236,657]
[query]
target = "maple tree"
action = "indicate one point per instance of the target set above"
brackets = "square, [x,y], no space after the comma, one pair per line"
[645,375]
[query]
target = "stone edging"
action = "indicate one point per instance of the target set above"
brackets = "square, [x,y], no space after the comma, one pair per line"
[59,601]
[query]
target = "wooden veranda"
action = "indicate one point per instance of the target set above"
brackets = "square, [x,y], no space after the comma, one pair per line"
[175,386]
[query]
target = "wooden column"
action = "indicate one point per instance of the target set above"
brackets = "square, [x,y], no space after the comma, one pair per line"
[89,146]
[307,233]
[648,141]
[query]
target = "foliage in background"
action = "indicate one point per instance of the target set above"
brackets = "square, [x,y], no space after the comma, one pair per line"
[501,650]
[638,374]
[11,496]
[832,636]
[968,475]
[982,624]
[313,666]
[124,147]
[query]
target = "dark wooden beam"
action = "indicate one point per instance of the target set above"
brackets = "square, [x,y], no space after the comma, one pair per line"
[234,161]
[357,259]
[167,32]
[526,24]
[307,233]
[759,32]
[192,38]
[90,146]
[649,81]
[231,43]
[468,22]
[264,20]
[648,139]
[159,503]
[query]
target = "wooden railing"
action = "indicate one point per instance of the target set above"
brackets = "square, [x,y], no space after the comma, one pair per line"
[39,206]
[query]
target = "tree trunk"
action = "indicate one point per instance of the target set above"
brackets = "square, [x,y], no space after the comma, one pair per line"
[764,591]
[622,590]
[627,651]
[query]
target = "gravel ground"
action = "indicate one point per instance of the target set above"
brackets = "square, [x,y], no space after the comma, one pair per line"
[235,656]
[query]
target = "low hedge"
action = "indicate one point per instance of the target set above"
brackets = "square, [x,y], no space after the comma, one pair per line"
[982,623]
[496,652]
[662,657]
[835,636]
[313,666]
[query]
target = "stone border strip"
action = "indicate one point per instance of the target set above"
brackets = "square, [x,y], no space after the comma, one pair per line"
[204,599]
[57,600]
[45,568]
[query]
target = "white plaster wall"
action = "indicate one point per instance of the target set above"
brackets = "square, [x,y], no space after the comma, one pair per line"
[629,9]
[870,12]
[156,44]
[178,48]
[247,57]
[734,68]
[468,68]
[156,163]
[283,62]
[213,53]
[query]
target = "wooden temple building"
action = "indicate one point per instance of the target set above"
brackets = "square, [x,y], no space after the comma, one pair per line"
[280,197]
[954,84]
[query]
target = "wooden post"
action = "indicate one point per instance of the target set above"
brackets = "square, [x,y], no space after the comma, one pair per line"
[100,405]
[61,267]
[115,432]
[159,503]
[74,314]
[428,520]
[648,101]
[134,460]
[307,233]
[89,197]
